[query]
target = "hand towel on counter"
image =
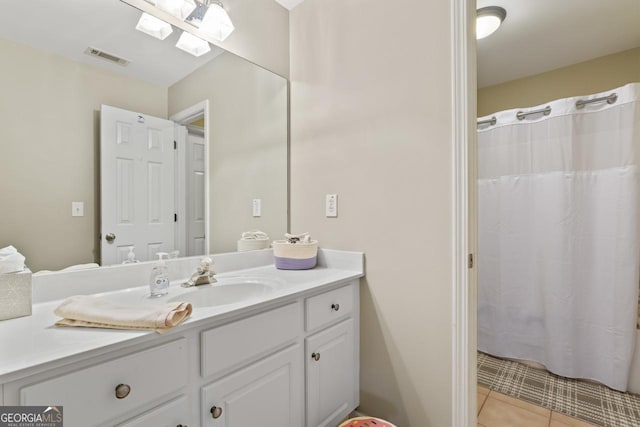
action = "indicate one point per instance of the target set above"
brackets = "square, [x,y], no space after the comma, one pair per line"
[95,312]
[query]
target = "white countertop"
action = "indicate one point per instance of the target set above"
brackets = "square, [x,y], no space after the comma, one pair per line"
[32,341]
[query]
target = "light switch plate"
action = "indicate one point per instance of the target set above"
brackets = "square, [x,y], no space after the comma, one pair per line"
[257,207]
[77,208]
[331,206]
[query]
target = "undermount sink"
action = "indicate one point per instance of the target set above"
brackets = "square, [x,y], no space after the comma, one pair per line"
[226,291]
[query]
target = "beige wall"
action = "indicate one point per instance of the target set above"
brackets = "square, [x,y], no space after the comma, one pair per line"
[261,34]
[248,145]
[371,121]
[596,75]
[49,150]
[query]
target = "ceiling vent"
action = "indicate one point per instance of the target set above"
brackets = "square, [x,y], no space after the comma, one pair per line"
[92,51]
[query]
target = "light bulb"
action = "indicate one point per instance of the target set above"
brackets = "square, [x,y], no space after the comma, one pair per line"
[216,22]
[181,9]
[153,26]
[192,44]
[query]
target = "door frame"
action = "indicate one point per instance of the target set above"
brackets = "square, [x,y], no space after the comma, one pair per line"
[464,292]
[183,118]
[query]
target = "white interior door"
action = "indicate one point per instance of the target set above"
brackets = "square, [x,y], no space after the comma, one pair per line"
[195,194]
[136,185]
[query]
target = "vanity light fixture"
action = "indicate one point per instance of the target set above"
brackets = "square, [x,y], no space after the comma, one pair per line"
[181,9]
[192,44]
[488,20]
[216,21]
[208,16]
[153,26]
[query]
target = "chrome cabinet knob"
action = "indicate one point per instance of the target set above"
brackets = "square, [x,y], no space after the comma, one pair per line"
[110,237]
[335,307]
[216,411]
[122,390]
[315,356]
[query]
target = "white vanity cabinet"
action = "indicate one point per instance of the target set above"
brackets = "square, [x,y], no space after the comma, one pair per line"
[290,363]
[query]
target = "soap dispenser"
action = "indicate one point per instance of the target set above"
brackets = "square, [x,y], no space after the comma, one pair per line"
[159,280]
[131,257]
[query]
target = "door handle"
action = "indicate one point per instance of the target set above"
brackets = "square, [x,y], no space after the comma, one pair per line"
[110,237]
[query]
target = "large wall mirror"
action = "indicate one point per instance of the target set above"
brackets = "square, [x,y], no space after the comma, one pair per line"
[79,85]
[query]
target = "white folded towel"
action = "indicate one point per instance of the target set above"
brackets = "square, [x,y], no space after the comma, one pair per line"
[77,267]
[11,260]
[254,235]
[95,312]
[295,238]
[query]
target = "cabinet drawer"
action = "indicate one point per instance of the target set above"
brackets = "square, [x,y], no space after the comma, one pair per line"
[170,414]
[89,395]
[328,307]
[237,343]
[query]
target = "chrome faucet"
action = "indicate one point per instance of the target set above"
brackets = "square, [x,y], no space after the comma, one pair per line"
[204,275]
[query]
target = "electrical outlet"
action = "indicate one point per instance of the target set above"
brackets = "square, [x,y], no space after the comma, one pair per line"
[257,208]
[77,208]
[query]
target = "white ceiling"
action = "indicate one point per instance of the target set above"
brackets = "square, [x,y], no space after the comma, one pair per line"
[68,27]
[542,35]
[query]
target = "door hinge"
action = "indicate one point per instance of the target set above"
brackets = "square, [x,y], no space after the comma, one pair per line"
[470,261]
[175,145]
[175,217]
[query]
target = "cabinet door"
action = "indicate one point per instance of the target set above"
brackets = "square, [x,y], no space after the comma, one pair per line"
[330,374]
[266,393]
[170,414]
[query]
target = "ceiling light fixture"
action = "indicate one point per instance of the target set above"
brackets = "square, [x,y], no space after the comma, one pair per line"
[153,26]
[216,22]
[488,20]
[192,44]
[178,8]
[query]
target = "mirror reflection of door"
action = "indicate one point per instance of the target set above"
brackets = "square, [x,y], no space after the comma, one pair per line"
[195,189]
[137,183]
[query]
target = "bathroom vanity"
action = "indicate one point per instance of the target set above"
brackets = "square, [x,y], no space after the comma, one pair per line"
[280,350]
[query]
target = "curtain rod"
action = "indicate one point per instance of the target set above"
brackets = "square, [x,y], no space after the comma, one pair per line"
[521,114]
[492,121]
[611,99]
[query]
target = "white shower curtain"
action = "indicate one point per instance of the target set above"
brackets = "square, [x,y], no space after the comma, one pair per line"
[559,236]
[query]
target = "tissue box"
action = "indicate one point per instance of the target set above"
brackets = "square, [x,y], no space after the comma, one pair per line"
[15,294]
[295,256]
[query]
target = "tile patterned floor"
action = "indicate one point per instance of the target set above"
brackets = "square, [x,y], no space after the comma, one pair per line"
[512,394]
[499,410]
